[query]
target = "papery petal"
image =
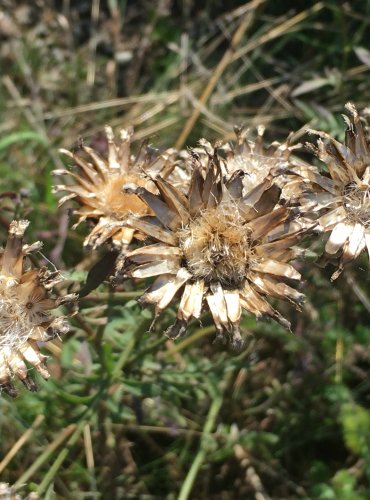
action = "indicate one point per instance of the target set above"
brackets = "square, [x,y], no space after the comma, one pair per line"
[155,268]
[153,230]
[332,218]
[191,300]
[175,284]
[269,286]
[338,237]
[276,268]
[355,243]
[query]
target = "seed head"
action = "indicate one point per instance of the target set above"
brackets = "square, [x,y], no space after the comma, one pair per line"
[216,248]
[25,317]
[97,186]
[341,200]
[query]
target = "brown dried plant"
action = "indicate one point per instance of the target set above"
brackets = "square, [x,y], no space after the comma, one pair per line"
[97,187]
[256,160]
[216,246]
[25,317]
[341,199]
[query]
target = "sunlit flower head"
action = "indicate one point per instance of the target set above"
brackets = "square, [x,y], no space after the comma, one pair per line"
[25,317]
[342,198]
[97,183]
[256,160]
[216,248]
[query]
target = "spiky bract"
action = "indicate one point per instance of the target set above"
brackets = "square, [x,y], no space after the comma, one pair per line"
[97,186]
[255,160]
[218,247]
[25,305]
[342,199]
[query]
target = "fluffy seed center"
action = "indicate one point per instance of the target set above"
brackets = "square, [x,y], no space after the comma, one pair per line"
[217,246]
[19,316]
[357,203]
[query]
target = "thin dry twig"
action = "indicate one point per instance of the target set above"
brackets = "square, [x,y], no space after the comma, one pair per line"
[279,30]
[113,103]
[93,42]
[220,68]
[49,450]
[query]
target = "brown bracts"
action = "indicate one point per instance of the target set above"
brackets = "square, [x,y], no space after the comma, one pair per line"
[342,199]
[255,160]
[97,183]
[25,317]
[216,248]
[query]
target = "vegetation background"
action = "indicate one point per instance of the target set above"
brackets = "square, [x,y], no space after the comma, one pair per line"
[129,414]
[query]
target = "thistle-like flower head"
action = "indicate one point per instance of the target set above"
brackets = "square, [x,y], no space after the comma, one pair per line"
[342,199]
[25,305]
[254,159]
[7,492]
[97,186]
[216,247]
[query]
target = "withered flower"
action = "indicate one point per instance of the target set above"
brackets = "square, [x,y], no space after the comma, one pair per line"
[7,492]
[216,246]
[97,186]
[255,160]
[343,199]
[25,317]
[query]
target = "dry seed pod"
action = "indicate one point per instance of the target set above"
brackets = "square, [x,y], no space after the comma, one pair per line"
[342,199]
[25,317]
[8,493]
[255,160]
[218,247]
[97,186]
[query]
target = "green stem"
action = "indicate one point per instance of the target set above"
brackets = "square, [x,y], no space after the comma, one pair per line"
[152,347]
[188,484]
[49,476]
[201,332]
[60,458]
[123,359]
[116,296]
[45,455]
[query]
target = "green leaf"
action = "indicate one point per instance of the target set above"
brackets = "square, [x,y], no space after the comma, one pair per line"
[345,486]
[356,428]
[27,135]
[363,54]
[311,85]
[323,492]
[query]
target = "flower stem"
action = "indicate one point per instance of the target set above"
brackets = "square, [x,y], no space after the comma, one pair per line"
[188,484]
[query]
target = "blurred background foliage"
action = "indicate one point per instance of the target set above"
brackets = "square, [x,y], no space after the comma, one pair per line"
[128,414]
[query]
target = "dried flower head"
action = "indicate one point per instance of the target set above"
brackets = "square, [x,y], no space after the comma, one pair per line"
[98,186]
[25,305]
[256,161]
[343,199]
[218,247]
[8,493]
